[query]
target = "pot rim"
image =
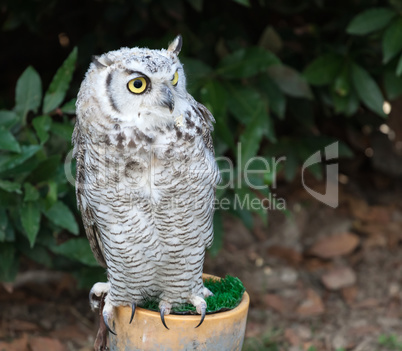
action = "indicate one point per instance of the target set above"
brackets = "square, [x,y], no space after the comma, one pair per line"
[243,305]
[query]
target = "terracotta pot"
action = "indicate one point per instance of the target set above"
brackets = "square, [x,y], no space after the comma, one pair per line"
[222,331]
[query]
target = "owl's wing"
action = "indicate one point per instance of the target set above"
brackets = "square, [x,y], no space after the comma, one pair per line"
[207,125]
[91,230]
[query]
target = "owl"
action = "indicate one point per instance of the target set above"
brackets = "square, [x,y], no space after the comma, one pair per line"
[146,179]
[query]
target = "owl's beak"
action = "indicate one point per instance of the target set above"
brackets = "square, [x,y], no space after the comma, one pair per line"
[167,98]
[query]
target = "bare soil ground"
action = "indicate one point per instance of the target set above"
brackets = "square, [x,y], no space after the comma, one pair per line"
[319,279]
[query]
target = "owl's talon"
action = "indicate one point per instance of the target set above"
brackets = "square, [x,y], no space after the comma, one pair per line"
[162,310]
[107,313]
[200,305]
[133,306]
[105,319]
[203,313]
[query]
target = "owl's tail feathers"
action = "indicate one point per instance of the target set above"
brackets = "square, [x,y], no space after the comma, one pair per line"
[200,305]
[164,308]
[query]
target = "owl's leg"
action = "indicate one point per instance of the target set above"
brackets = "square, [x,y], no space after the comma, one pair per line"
[107,313]
[200,305]
[164,308]
[96,293]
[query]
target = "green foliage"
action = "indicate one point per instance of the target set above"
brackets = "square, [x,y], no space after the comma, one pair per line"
[370,20]
[277,75]
[228,293]
[389,342]
[37,210]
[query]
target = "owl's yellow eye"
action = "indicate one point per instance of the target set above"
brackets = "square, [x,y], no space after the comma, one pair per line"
[137,85]
[175,78]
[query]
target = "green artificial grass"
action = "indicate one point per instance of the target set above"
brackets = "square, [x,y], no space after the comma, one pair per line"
[228,293]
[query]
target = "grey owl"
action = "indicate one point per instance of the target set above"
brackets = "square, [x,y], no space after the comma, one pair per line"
[146,178]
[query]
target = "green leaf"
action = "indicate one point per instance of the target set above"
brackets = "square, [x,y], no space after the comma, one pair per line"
[370,20]
[251,138]
[196,73]
[367,89]
[69,107]
[343,82]
[3,224]
[60,83]
[45,170]
[392,85]
[243,2]
[30,219]
[77,249]
[246,62]
[8,142]
[348,104]
[323,70]
[9,262]
[42,126]
[392,42]
[51,197]
[28,93]
[276,99]
[10,187]
[290,81]
[38,254]
[62,216]
[213,96]
[8,119]
[64,130]
[8,162]
[31,193]
[399,67]
[218,234]
[243,102]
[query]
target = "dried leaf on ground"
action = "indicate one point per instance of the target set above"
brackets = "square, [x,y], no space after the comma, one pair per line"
[292,337]
[287,254]
[312,305]
[20,344]
[275,302]
[339,278]
[335,245]
[349,294]
[41,343]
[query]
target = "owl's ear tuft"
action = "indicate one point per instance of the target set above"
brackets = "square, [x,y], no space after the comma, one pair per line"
[176,44]
[101,62]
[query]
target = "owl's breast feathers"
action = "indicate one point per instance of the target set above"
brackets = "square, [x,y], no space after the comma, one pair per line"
[177,153]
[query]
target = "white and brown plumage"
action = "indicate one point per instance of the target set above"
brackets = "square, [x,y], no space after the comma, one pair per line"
[146,178]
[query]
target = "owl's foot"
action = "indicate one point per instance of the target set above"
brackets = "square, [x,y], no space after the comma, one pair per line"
[107,313]
[97,292]
[200,305]
[206,292]
[165,308]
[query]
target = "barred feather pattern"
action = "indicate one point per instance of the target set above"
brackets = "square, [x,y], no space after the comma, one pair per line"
[146,194]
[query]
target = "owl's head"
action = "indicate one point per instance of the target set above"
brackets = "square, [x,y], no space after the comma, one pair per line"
[138,86]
